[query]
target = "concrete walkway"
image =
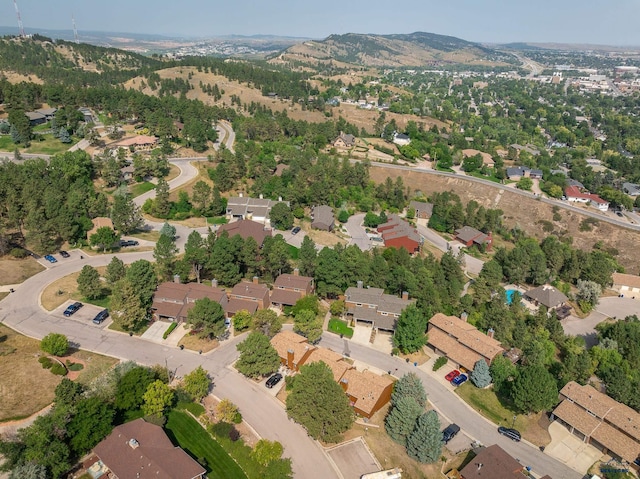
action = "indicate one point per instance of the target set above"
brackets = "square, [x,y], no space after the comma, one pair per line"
[569,449]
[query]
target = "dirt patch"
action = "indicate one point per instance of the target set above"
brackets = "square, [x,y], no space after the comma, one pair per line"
[13,77]
[325,238]
[419,357]
[623,240]
[15,271]
[62,290]
[194,343]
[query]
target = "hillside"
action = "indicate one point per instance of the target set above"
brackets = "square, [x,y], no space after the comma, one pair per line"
[414,49]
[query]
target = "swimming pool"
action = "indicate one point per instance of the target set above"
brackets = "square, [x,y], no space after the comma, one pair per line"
[510,294]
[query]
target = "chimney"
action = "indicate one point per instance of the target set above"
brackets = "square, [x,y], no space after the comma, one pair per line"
[490,332]
[345,384]
[290,358]
[464,316]
[255,280]
[176,278]
[360,283]
[405,295]
[261,196]
[240,194]
[296,272]
[214,283]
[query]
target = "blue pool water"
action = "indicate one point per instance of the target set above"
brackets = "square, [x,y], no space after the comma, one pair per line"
[510,294]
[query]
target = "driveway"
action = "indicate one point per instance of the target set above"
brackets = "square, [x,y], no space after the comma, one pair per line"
[356,231]
[568,448]
[353,458]
[471,265]
[155,332]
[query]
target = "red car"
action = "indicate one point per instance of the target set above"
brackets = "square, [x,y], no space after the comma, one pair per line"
[452,375]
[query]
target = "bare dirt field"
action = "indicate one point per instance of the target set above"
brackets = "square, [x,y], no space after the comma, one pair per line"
[14,271]
[625,241]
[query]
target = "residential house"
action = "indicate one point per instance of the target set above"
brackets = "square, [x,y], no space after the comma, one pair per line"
[470,236]
[575,195]
[127,172]
[627,284]
[48,113]
[344,141]
[141,450]
[293,349]
[461,342]
[140,142]
[375,307]
[398,233]
[36,118]
[493,462]
[487,160]
[250,296]
[246,229]
[546,295]
[600,421]
[517,172]
[173,300]
[99,222]
[87,115]
[322,218]
[367,392]
[289,288]
[631,189]
[528,148]
[423,210]
[247,208]
[401,139]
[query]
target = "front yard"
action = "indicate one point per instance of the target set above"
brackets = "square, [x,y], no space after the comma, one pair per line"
[340,327]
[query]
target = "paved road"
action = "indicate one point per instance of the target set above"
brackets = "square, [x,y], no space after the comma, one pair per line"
[356,230]
[20,311]
[455,410]
[471,264]
[230,134]
[9,155]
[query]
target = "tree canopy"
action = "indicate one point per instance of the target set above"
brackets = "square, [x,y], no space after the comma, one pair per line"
[258,358]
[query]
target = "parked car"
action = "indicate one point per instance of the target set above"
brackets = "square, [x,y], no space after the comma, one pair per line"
[64,254]
[50,258]
[129,243]
[513,434]
[71,309]
[458,380]
[295,230]
[619,214]
[273,380]
[452,375]
[450,432]
[101,316]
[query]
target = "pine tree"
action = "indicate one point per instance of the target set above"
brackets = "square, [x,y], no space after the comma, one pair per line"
[115,271]
[307,257]
[89,283]
[410,331]
[165,254]
[162,205]
[127,309]
[480,376]
[409,385]
[125,214]
[425,442]
[401,419]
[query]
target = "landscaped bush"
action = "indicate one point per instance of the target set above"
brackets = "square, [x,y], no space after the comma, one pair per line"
[18,253]
[441,361]
[220,429]
[58,369]
[46,362]
[74,366]
[288,382]
[171,327]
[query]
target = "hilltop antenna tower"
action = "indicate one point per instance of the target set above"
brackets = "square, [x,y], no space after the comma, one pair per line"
[75,30]
[20,26]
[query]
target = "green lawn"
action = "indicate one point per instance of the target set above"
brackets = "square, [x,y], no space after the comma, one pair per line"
[140,188]
[49,145]
[217,220]
[340,327]
[6,144]
[293,252]
[197,442]
[477,174]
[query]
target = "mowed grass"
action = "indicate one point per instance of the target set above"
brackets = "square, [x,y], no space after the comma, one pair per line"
[340,327]
[198,443]
[6,144]
[487,403]
[48,145]
[140,188]
[15,271]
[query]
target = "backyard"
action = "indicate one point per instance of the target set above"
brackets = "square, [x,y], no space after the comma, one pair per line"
[198,443]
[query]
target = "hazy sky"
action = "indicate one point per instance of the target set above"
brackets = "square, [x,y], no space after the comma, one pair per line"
[612,22]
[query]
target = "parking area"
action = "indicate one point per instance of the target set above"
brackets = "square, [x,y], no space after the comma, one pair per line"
[570,449]
[155,332]
[353,459]
[273,391]
[73,254]
[84,314]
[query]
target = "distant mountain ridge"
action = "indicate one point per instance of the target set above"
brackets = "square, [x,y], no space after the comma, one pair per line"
[411,49]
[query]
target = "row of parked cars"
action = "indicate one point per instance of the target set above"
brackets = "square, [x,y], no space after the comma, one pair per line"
[75,307]
[456,378]
[52,259]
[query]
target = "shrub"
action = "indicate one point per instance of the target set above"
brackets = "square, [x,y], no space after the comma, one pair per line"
[55,344]
[58,369]
[18,253]
[74,366]
[221,429]
[46,362]
[171,327]
[288,382]
[441,361]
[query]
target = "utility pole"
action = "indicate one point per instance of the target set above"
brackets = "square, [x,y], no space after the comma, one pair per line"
[20,26]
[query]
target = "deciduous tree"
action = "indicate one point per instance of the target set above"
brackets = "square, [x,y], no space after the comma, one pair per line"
[242,320]
[534,389]
[197,383]
[410,330]
[157,398]
[104,238]
[55,344]
[115,271]
[267,322]
[266,451]
[258,358]
[91,423]
[281,216]
[207,317]
[308,325]
[127,309]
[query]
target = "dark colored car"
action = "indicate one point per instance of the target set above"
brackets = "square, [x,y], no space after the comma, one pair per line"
[50,258]
[452,375]
[273,380]
[101,316]
[64,254]
[458,380]
[295,230]
[72,308]
[619,214]
[513,434]
[450,432]
[129,243]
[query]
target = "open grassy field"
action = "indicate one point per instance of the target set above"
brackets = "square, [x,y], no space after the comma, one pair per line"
[198,443]
[26,386]
[66,288]
[15,271]
[140,188]
[49,145]
[532,427]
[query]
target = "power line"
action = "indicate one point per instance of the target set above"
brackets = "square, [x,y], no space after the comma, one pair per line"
[20,26]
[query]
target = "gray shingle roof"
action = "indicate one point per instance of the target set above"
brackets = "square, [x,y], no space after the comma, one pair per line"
[546,295]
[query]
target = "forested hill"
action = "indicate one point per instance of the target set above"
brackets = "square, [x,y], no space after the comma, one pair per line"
[413,49]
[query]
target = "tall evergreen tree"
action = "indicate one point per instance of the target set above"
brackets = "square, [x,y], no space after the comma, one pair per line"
[162,205]
[410,330]
[480,376]
[89,284]
[115,270]
[307,257]
[425,442]
[165,255]
[409,385]
[125,214]
[401,419]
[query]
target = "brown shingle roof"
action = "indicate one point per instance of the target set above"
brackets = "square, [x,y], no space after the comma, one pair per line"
[577,417]
[292,282]
[246,229]
[492,462]
[140,450]
[235,304]
[453,349]
[334,360]
[467,233]
[140,140]
[323,217]
[248,290]
[288,340]
[173,300]
[366,387]
[630,280]
[284,296]
[421,207]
